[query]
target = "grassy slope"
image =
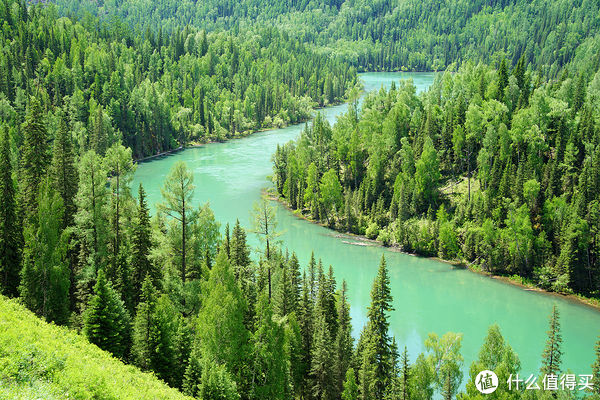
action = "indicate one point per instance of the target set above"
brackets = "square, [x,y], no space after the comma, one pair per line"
[43,361]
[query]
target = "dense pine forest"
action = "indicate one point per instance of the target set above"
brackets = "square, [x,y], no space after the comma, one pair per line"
[496,165]
[156,92]
[393,35]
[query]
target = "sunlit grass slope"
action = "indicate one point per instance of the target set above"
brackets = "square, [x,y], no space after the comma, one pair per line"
[43,361]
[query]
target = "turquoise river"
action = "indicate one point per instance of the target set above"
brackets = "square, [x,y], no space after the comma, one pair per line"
[429,296]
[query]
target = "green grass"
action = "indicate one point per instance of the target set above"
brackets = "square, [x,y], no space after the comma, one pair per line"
[44,361]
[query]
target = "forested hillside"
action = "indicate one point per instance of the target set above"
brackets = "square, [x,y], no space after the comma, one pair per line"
[493,167]
[156,92]
[392,34]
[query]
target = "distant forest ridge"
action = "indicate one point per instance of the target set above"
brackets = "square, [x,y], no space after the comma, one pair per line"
[387,34]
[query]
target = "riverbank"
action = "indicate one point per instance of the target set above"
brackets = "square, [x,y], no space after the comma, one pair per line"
[239,135]
[514,280]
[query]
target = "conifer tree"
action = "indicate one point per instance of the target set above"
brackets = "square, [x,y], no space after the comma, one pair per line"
[239,251]
[378,324]
[284,295]
[90,222]
[343,340]
[222,335]
[405,375]
[63,170]
[270,373]
[552,352]
[296,281]
[106,322]
[45,277]
[144,328]
[321,369]
[10,232]
[217,383]
[119,167]
[306,322]
[177,194]
[141,245]
[34,160]
[350,391]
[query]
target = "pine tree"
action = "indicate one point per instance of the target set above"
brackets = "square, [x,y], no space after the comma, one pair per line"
[34,160]
[45,277]
[141,245]
[90,223]
[64,172]
[343,340]
[321,369]
[296,281]
[502,79]
[306,322]
[119,167]
[10,232]
[270,374]
[283,294]
[405,374]
[217,383]
[378,324]
[552,352]
[222,334]
[177,194]
[350,391]
[144,328]
[239,251]
[106,322]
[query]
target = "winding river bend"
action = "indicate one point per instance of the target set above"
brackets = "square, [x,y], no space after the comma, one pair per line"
[429,296]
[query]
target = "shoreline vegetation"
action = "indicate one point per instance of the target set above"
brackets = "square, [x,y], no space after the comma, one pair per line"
[242,135]
[516,281]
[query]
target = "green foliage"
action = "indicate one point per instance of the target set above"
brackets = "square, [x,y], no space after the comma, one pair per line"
[552,352]
[221,333]
[34,159]
[10,231]
[495,355]
[45,277]
[106,322]
[177,193]
[52,362]
[513,173]
[380,36]
[377,362]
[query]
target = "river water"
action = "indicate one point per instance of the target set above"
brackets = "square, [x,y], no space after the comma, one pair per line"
[429,296]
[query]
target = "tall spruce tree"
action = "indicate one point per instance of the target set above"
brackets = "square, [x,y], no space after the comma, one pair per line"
[239,251]
[141,245]
[321,368]
[552,352]
[90,223]
[63,170]
[377,326]
[106,321]
[144,328]
[10,230]
[221,333]
[270,378]
[343,341]
[34,160]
